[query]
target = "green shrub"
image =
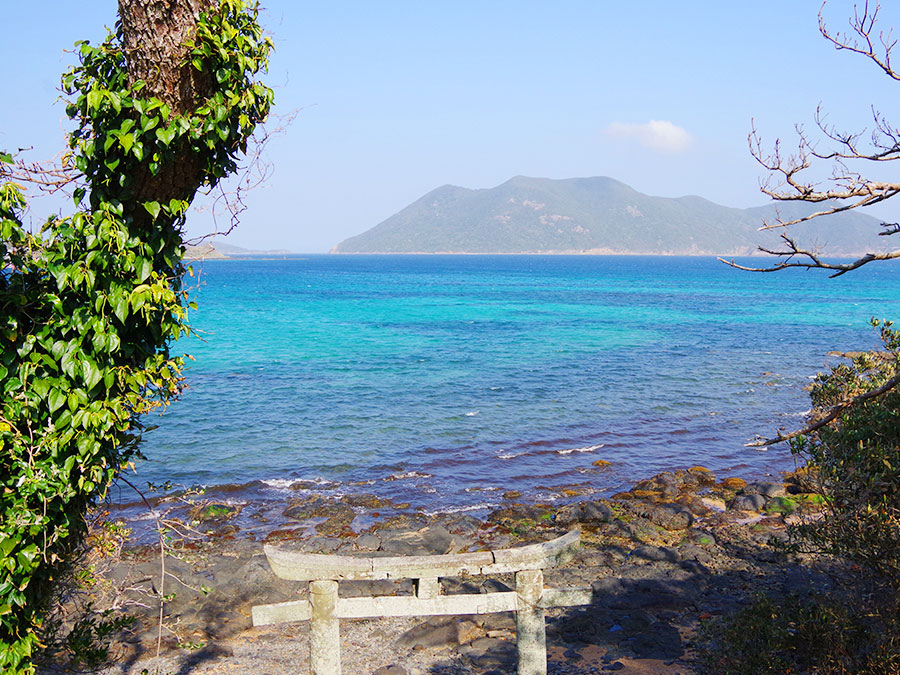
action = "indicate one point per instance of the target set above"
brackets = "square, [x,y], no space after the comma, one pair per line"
[795,635]
[857,462]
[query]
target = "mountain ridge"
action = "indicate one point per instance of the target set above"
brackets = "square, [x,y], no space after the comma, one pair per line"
[594,215]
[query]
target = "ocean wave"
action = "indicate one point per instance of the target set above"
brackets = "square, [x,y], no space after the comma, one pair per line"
[587,448]
[288,483]
[472,413]
[408,475]
[462,509]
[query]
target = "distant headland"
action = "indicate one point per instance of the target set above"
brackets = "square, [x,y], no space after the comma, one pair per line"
[220,250]
[596,215]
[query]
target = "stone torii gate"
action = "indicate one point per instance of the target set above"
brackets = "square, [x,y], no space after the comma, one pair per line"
[324,609]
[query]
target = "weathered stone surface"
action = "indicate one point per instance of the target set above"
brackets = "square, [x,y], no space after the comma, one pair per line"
[766,489]
[653,554]
[433,540]
[588,513]
[748,502]
[669,516]
[595,512]
[516,513]
[438,631]
[392,669]
[498,621]
[700,537]
[703,475]
[486,653]
[368,542]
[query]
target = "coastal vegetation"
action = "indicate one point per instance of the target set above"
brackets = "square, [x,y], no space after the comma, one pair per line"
[90,305]
[851,445]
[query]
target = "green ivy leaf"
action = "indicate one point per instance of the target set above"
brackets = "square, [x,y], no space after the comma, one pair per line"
[152,208]
[91,373]
[143,266]
[56,399]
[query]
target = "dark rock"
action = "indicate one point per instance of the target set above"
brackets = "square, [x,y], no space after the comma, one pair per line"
[362,589]
[368,542]
[630,594]
[669,516]
[766,489]
[688,480]
[461,525]
[703,475]
[516,513]
[392,669]
[700,537]
[439,631]
[639,529]
[403,521]
[497,621]
[426,541]
[693,552]
[458,586]
[320,545]
[568,515]
[694,504]
[747,502]
[486,653]
[494,586]
[653,554]
[595,512]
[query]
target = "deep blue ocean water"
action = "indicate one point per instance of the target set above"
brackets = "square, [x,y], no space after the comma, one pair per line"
[445,380]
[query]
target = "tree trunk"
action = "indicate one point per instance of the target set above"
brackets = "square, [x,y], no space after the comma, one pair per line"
[153,36]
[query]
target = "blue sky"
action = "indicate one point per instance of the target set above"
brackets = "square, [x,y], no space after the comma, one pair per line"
[398,98]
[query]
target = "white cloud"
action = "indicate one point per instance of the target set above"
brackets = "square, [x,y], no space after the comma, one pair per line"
[655,134]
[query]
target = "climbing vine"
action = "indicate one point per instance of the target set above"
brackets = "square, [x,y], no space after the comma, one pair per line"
[90,305]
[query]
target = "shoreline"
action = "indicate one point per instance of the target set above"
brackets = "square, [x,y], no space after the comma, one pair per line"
[257,505]
[675,548]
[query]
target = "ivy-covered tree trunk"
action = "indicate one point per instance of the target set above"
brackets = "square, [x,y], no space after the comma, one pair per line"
[155,37]
[89,308]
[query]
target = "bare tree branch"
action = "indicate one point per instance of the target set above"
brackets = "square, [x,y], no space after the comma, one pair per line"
[812,260]
[863,25]
[830,416]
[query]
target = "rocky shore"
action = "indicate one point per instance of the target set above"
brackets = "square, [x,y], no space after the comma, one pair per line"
[676,550]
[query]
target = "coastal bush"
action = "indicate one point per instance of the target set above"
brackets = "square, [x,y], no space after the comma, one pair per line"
[795,634]
[857,462]
[90,305]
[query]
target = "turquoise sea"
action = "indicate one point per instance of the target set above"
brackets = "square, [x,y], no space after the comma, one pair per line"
[446,380]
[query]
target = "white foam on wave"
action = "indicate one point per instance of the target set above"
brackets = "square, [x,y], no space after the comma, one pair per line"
[287,483]
[462,509]
[473,413]
[491,488]
[587,448]
[509,455]
[408,475]
[804,413]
